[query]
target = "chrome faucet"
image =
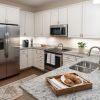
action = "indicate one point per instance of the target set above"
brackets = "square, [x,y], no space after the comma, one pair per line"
[60,46]
[91,50]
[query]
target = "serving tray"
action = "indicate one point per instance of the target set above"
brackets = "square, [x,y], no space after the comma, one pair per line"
[58,92]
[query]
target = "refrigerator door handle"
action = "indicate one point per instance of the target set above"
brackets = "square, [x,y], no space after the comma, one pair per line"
[6,44]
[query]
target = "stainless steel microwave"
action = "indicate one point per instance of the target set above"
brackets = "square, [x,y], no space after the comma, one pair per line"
[59,30]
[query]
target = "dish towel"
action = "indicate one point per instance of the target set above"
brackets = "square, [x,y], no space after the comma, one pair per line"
[57,84]
[52,59]
[48,58]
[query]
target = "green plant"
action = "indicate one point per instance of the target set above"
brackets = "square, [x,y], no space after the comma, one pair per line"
[81,44]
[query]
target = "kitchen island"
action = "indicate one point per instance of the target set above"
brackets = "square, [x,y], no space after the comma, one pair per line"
[38,89]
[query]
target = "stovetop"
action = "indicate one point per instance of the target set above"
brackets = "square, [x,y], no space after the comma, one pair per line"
[57,50]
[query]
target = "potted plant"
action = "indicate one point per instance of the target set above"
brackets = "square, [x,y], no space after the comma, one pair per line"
[81,46]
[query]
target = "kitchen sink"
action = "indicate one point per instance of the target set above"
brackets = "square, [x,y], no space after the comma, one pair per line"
[85,66]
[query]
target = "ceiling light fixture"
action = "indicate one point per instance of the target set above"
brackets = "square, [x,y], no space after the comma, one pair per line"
[96,1]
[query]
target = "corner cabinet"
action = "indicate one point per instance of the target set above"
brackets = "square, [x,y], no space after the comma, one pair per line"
[91,20]
[26,23]
[9,14]
[75,20]
[26,58]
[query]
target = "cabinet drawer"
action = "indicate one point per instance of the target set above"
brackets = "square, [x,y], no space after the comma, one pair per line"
[40,52]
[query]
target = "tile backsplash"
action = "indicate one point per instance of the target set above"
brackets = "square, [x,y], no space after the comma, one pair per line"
[66,42]
[25,38]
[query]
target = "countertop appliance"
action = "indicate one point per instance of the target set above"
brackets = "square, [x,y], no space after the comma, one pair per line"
[9,50]
[59,30]
[25,43]
[54,58]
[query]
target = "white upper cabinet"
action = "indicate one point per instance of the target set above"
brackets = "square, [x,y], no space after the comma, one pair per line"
[59,16]
[26,24]
[91,20]
[29,24]
[38,24]
[75,20]
[12,15]
[54,16]
[9,14]
[46,23]
[2,13]
[63,19]
[22,23]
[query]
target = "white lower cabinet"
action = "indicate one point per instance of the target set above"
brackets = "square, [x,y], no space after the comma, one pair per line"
[38,58]
[23,59]
[30,57]
[26,58]
[68,59]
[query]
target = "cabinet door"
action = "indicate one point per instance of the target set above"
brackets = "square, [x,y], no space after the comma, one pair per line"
[54,17]
[22,23]
[63,15]
[34,57]
[23,59]
[91,20]
[75,20]
[40,56]
[38,24]
[46,23]
[12,15]
[2,13]
[29,24]
[30,57]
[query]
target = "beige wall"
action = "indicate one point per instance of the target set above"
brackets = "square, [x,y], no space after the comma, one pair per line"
[23,7]
[66,42]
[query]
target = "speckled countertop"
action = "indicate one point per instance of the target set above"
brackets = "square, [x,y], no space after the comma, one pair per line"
[39,89]
[40,48]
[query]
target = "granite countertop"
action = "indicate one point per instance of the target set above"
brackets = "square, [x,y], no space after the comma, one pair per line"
[39,89]
[40,48]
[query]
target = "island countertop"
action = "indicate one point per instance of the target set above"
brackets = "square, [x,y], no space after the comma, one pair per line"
[39,89]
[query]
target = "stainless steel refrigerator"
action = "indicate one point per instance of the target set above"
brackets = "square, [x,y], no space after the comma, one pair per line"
[9,50]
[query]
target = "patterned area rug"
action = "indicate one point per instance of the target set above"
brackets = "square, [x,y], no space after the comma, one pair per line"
[12,91]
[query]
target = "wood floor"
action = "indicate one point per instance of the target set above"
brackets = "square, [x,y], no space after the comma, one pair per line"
[22,74]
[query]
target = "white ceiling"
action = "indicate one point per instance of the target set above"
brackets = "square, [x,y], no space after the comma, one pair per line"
[34,3]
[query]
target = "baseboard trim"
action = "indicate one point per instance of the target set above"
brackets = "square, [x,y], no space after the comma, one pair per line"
[25,68]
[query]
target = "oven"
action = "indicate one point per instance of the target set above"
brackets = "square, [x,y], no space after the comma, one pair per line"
[53,60]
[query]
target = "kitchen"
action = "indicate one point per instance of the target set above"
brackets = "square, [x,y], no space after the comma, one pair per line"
[44,39]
